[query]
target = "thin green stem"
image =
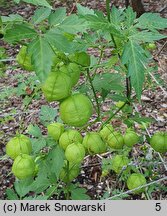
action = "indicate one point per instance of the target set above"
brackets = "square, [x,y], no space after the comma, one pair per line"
[108,9]
[68,181]
[7,60]
[109,19]
[114,114]
[128,89]
[52,192]
[89,124]
[94,93]
[147,195]
[128,82]
[99,61]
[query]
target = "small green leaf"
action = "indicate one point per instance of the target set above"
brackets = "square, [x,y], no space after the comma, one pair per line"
[73,24]
[27,100]
[108,82]
[40,15]
[42,55]
[146,36]
[56,159]
[130,17]
[35,2]
[151,21]
[59,41]
[134,56]
[19,32]
[79,194]
[12,18]
[50,141]
[22,187]
[38,144]
[143,119]
[99,22]
[1,23]
[34,130]
[41,182]
[40,197]
[11,195]
[117,97]
[47,114]
[57,16]
[81,10]
[116,16]
[112,61]
[21,89]
[96,22]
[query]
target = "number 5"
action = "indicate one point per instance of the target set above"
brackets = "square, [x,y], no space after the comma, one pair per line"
[158,207]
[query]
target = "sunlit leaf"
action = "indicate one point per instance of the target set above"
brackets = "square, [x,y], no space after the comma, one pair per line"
[134,56]
[19,32]
[40,15]
[42,54]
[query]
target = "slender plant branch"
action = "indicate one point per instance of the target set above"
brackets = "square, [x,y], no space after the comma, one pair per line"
[68,181]
[99,61]
[128,82]
[94,93]
[52,192]
[108,10]
[109,19]
[153,77]
[6,60]
[73,7]
[114,114]
[162,48]
[128,89]
[88,125]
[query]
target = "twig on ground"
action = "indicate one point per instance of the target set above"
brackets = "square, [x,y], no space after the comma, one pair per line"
[162,9]
[162,48]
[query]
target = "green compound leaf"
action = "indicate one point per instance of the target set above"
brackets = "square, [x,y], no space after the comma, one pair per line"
[134,56]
